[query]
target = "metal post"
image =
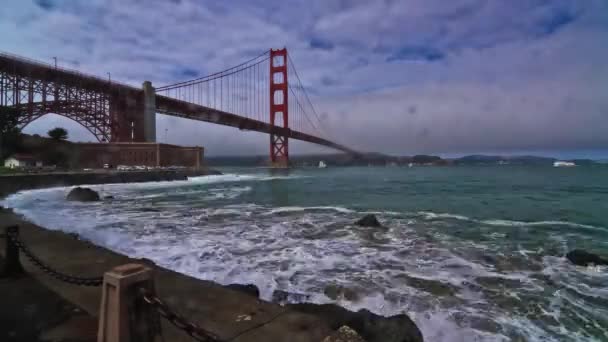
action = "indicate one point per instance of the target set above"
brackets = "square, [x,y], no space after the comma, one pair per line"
[123,316]
[12,265]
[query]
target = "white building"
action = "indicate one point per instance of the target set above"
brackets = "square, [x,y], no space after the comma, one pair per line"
[21,161]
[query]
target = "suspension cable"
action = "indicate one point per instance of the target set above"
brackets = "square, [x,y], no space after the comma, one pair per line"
[170,86]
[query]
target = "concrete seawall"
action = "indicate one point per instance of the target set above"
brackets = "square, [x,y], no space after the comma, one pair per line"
[13,183]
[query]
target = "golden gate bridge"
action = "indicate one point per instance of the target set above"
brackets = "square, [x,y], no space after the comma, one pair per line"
[263,94]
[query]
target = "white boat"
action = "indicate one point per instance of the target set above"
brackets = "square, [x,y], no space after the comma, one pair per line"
[322,165]
[560,163]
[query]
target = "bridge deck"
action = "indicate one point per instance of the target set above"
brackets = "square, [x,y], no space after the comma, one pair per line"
[174,107]
[33,70]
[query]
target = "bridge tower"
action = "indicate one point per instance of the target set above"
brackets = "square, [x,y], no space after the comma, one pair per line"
[133,114]
[279,144]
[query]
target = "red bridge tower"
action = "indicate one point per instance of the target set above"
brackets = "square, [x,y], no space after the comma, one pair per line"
[279,145]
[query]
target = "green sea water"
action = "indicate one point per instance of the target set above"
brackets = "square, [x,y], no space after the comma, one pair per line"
[470,253]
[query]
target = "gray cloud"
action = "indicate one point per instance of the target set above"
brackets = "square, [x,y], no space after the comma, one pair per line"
[392,76]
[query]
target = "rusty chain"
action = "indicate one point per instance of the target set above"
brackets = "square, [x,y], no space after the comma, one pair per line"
[177,320]
[12,235]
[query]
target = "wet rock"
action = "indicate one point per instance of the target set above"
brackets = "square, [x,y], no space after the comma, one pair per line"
[249,289]
[344,334]
[282,297]
[431,286]
[371,327]
[369,220]
[108,197]
[584,258]
[83,195]
[150,210]
[336,292]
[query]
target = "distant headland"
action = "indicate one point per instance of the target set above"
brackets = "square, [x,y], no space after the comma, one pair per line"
[378,159]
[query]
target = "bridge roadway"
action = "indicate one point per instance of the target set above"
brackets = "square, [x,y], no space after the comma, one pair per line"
[174,107]
[31,70]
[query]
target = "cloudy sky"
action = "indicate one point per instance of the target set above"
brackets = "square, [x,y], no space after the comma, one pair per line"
[394,76]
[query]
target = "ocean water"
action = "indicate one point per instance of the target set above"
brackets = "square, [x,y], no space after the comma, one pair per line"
[470,253]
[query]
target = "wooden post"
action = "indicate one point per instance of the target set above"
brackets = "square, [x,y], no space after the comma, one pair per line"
[123,316]
[12,264]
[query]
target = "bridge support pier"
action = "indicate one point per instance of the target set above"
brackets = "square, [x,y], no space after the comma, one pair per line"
[134,115]
[149,112]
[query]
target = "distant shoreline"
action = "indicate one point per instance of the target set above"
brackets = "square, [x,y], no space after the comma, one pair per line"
[16,182]
[378,159]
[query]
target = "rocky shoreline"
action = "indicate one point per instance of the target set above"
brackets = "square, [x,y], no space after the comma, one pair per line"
[204,301]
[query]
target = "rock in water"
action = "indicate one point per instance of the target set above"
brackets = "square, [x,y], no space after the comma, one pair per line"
[282,297]
[371,327]
[369,220]
[584,258]
[336,292]
[83,195]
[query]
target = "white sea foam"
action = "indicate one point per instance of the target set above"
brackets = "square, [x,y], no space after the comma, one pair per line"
[280,210]
[509,223]
[431,215]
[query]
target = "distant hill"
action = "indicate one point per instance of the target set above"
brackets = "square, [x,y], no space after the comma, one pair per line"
[338,159]
[515,160]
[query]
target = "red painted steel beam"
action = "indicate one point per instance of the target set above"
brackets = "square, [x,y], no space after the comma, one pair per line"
[170,106]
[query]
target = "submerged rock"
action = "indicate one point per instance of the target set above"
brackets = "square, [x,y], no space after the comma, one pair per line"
[369,220]
[336,292]
[371,327]
[584,258]
[249,289]
[282,297]
[83,195]
[435,287]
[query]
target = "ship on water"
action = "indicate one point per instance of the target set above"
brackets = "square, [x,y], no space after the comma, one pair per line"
[560,163]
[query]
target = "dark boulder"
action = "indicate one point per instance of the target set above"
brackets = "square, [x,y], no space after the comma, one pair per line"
[83,195]
[249,289]
[373,328]
[369,220]
[584,258]
[109,197]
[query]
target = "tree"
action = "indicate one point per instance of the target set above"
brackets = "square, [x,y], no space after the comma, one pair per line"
[58,133]
[9,132]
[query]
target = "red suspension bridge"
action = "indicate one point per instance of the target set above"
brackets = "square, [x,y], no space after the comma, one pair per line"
[264,94]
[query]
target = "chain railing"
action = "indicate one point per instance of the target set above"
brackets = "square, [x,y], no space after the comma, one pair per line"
[13,235]
[177,320]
